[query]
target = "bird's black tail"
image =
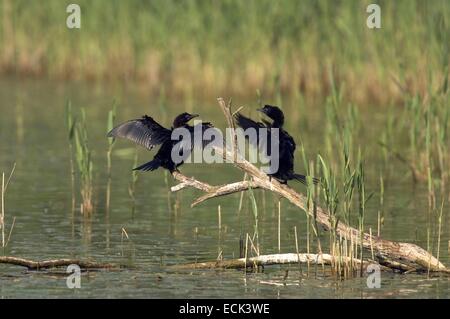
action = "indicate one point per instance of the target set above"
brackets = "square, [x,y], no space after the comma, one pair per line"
[150,166]
[302,179]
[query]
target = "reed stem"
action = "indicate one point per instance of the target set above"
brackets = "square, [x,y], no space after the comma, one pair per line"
[2,221]
[297,249]
[279,226]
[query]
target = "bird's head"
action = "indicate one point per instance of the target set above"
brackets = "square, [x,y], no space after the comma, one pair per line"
[183,119]
[274,113]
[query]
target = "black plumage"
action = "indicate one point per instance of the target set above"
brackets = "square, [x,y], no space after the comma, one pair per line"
[286,147]
[149,133]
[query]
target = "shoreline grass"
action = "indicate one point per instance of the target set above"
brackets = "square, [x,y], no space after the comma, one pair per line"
[279,47]
[83,157]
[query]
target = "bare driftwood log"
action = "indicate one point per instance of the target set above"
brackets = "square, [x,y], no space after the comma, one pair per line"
[277,259]
[37,265]
[395,255]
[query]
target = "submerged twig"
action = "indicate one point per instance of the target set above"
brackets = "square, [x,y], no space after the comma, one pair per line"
[53,263]
[4,187]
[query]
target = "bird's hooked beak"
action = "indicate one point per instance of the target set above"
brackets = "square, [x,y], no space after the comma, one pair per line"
[193,116]
[260,110]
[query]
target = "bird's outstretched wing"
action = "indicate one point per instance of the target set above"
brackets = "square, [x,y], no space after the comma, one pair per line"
[144,131]
[246,123]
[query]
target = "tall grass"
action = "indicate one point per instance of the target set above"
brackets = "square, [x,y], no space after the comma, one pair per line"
[380,219]
[2,216]
[362,200]
[111,141]
[70,125]
[83,157]
[425,121]
[339,189]
[343,177]
[279,47]
[219,237]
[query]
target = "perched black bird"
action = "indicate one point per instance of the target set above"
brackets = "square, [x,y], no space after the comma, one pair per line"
[149,133]
[287,145]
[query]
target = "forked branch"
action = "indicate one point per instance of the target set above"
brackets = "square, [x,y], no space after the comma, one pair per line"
[54,263]
[395,255]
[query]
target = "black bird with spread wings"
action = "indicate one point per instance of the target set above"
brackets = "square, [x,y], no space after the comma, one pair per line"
[149,133]
[286,143]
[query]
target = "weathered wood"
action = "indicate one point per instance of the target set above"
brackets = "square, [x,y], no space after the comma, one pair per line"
[214,191]
[279,259]
[395,255]
[53,263]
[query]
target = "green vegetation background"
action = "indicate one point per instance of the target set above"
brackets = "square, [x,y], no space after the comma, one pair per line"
[210,45]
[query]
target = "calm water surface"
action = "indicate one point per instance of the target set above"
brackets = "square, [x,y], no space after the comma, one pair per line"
[163,230]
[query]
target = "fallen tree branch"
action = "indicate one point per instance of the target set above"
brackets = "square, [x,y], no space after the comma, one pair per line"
[214,191]
[279,259]
[395,255]
[53,263]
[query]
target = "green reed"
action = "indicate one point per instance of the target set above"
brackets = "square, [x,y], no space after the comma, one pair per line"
[339,189]
[331,197]
[297,249]
[219,237]
[439,216]
[254,207]
[362,200]
[279,227]
[70,125]
[333,125]
[2,216]
[426,122]
[342,124]
[83,156]
[109,126]
[380,217]
[311,199]
[349,178]
[385,139]
[111,142]
[309,195]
